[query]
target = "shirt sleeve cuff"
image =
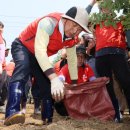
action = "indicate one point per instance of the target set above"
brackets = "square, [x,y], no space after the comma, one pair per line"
[49,72]
[74,81]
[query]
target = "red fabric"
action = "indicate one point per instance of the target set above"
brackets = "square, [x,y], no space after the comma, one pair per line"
[55,43]
[71,42]
[83,73]
[89,100]
[110,37]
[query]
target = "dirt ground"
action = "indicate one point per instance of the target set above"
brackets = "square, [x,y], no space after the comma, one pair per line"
[33,122]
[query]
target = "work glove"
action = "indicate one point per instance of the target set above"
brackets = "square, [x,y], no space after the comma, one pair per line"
[57,89]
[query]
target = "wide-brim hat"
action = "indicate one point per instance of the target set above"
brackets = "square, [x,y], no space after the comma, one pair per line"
[78,15]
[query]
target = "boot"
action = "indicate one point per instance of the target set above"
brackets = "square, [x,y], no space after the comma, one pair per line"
[47,111]
[37,103]
[23,100]
[13,114]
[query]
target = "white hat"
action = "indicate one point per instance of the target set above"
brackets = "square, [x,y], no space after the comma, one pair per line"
[78,15]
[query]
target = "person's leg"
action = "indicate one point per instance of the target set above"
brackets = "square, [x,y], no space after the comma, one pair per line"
[45,90]
[25,91]
[122,74]
[120,95]
[103,66]
[19,78]
[36,97]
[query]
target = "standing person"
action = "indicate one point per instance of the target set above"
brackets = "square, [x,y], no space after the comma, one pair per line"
[2,47]
[110,57]
[43,38]
[3,75]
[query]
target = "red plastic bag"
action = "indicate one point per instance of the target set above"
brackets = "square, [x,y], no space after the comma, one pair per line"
[89,100]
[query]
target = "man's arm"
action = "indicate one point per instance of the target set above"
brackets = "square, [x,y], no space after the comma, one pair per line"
[90,6]
[45,29]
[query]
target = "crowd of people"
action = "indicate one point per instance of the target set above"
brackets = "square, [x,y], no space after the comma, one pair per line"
[100,52]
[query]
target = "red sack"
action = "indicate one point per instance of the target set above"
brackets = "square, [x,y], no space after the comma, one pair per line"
[89,100]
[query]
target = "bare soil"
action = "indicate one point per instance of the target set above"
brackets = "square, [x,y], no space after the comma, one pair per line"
[33,122]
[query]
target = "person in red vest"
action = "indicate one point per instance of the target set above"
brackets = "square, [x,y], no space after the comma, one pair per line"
[41,39]
[85,72]
[111,58]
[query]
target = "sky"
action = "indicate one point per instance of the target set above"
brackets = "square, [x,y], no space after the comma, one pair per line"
[17,14]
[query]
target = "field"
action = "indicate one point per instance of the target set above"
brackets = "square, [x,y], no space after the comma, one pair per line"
[33,122]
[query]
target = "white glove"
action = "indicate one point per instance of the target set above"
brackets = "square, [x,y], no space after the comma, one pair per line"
[1,70]
[57,89]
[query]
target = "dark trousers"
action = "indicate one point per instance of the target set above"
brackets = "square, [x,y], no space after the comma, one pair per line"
[21,57]
[26,64]
[42,83]
[3,87]
[117,64]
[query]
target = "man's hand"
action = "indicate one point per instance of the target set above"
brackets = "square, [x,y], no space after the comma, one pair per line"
[57,89]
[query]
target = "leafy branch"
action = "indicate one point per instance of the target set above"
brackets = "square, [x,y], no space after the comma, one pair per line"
[110,18]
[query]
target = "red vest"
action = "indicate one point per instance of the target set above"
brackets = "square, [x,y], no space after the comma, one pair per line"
[27,37]
[110,37]
[83,73]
